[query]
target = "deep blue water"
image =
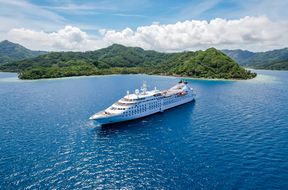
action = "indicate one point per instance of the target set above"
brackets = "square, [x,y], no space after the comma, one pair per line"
[234,136]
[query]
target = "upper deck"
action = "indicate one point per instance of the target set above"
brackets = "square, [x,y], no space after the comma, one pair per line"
[150,95]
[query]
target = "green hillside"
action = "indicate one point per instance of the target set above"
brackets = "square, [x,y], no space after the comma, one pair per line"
[118,59]
[13,52]
[275,60]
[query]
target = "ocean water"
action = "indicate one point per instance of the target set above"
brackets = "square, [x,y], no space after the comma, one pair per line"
[234,136]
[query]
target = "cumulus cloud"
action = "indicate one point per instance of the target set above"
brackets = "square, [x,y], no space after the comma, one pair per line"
[256,33]
[67,39]
[252,33]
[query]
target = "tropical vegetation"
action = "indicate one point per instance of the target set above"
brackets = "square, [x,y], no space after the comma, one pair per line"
[14,52]
[118,59]
[271,60]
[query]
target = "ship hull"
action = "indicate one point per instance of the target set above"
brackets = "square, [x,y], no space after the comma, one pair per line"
[120,118]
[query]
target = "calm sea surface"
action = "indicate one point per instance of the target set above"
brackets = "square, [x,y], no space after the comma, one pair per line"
[235,136]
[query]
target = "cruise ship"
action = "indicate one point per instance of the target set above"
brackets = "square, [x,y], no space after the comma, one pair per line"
[143,103]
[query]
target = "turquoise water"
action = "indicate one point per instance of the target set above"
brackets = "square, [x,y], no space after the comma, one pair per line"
[234,136]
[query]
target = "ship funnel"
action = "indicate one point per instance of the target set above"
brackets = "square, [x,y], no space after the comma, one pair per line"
[144,87]
[136,91]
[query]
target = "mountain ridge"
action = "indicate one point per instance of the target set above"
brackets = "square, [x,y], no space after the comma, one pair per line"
[10,51]
[272,60]
[119,59]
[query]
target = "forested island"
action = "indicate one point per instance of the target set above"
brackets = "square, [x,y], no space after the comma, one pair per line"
[119,59]
[10,52]
[269,60]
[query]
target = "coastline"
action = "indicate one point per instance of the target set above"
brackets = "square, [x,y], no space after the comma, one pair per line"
[92,76]
[261,77]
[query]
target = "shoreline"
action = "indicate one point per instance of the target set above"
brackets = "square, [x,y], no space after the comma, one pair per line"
[159,75]
[259,78]
[92,76]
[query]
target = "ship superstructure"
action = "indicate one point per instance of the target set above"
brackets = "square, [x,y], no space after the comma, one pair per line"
[143,103]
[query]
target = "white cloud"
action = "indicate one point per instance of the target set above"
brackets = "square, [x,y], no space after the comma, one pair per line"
[276,9]
[66,39]
[15,13]
[252,33]
[192,10]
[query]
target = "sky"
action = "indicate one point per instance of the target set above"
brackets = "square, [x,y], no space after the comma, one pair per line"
[166,25]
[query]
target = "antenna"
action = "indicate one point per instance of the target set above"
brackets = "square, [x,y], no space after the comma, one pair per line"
[127,92]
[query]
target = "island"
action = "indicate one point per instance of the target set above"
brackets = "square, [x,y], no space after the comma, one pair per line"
[119,59]
[270,60]
[10,52]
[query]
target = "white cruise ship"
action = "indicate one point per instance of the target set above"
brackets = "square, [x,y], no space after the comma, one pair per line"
[143,103]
